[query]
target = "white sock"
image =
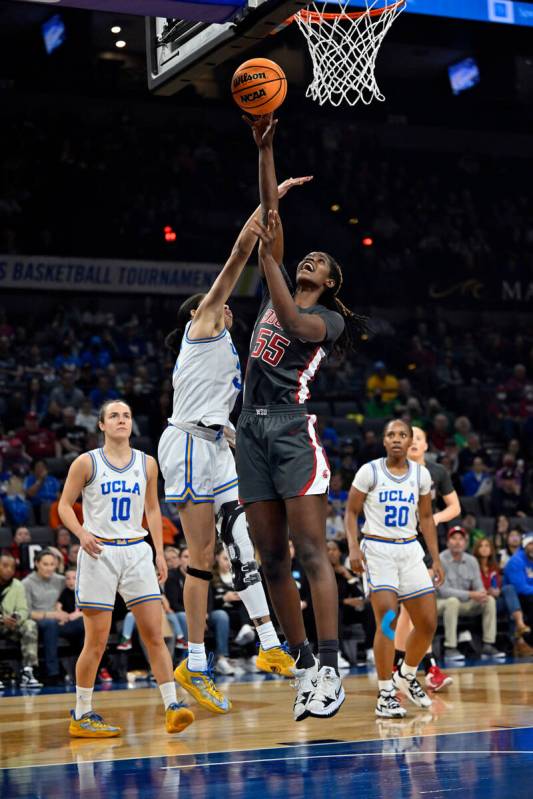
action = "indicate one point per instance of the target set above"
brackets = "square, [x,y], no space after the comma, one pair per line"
[385,685]
[197,660]
[408,671]
[168,692]
[267,635]
[84,701]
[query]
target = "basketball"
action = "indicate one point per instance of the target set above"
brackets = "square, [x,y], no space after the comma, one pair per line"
[259,86]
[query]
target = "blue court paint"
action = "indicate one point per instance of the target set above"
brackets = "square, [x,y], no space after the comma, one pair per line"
[484,765]
[386,622]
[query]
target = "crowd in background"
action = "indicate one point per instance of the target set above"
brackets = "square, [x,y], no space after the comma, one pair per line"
[471,390]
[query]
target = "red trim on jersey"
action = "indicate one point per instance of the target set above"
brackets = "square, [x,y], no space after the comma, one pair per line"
[310,482]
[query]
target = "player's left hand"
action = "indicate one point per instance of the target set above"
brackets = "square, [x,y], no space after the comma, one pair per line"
[267,234]
[284,187]
[161,567]
[439,574]
[263,128]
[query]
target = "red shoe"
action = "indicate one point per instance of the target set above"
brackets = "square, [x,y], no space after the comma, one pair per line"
[105,675]
[436,679]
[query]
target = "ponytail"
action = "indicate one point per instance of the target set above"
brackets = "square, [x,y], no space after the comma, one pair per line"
[173,340]
[355,325]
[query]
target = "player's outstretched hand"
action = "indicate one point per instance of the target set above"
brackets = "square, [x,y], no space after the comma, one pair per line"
[357,560]
[266,233]
[161,568]
[288,184]
[89,544]
[439,575]
[263,129]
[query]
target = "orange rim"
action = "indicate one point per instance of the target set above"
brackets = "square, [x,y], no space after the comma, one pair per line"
[317,16]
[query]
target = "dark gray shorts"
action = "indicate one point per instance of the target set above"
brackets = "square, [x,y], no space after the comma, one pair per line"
[279,454]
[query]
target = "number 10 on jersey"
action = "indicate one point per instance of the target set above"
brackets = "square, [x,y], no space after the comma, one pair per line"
[121,509]
[269,346]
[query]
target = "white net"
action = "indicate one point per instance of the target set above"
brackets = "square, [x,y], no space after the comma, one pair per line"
[344,46]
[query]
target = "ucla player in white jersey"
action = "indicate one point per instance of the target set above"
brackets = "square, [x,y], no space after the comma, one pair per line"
[394,493]
[118,485]
[199,468]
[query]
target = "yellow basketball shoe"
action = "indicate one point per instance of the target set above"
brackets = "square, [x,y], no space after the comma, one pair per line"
[200,685]
[177,717]
[276,661]
[91,725]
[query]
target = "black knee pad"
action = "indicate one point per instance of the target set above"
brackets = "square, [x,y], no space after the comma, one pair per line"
[244,574]
[200,574]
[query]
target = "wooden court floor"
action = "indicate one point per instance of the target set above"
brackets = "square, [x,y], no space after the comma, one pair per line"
[33,729]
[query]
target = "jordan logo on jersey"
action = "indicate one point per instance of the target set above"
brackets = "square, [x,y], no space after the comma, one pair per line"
[119,487]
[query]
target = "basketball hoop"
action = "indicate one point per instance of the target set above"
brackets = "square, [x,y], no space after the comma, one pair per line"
[344,46]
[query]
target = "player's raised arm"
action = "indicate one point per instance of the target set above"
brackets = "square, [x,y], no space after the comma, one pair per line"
[354,508]
[78,476]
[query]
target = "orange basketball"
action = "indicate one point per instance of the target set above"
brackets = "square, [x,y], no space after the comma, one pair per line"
[259,86]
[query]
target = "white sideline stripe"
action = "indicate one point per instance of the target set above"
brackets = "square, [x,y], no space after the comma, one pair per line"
[357,754]
[281,748]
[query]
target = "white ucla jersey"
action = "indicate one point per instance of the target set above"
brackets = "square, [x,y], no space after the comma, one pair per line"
[207,379]
[391,503]
[113,498]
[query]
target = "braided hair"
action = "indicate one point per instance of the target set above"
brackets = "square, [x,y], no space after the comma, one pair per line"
[355,325]
[173,340]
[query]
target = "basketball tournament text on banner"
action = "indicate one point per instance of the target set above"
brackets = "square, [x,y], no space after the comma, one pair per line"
[86,274]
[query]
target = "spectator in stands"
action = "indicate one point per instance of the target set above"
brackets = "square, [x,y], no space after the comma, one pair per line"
[17,462]
[376,408]
[463,595]
[172,557]
[516,384]
[67,356]
[67,394]
[96,354]
[42,489]
[472,450]
[505,595]
[477,482]
[72,437]
[463,428]
[38,442]
[512,544]
[63,541]
[470,524]
[67,598]
[43,588]
[53,418]
[371,449]
[439,432]
[334,523]
[102,392]
[509,464]
[21,539]
[73,552]
[36,398]
[87,417]
[15,623]
[381,380]
[501,530]
[507,498]
[353,607]
[337,493]
[519,573]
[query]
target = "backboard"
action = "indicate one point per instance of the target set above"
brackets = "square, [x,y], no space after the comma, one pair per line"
[181,51]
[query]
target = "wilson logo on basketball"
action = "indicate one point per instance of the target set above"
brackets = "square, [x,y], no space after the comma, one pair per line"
[249,98]
[239,79]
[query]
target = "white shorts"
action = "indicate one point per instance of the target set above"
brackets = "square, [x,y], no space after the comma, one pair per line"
[124,568]
[196,469]
[397,567]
